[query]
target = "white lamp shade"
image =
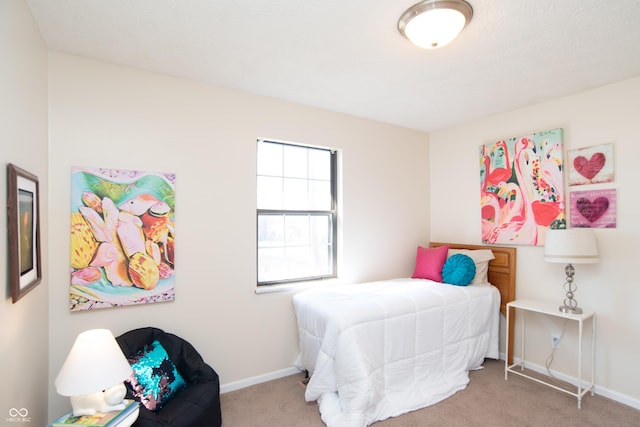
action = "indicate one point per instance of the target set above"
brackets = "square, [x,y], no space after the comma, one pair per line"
[572,246]
[432,24]
[94,363]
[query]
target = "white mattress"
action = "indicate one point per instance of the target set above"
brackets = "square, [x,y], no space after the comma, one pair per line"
[381,349]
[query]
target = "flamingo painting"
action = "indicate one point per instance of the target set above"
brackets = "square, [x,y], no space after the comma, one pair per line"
[522,188]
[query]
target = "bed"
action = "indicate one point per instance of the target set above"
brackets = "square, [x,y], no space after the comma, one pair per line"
[378,350]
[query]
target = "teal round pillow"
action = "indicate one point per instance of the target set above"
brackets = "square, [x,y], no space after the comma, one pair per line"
[459,270]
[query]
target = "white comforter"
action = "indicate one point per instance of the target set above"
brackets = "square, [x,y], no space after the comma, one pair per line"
[381,349]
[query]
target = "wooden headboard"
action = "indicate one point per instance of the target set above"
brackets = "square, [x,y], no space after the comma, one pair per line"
[502,275]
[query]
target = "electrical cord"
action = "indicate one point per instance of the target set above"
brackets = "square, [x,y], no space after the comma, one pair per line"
[549,360]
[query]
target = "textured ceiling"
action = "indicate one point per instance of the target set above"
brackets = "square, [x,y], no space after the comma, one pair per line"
[348,56]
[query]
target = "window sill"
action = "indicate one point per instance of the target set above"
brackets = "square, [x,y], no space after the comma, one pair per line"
[296,286]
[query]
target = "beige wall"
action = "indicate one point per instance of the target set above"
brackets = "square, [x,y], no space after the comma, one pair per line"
[24,333]
[605,115]
[107,116]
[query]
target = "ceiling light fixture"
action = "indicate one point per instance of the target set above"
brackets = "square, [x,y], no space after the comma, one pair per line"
[434,23]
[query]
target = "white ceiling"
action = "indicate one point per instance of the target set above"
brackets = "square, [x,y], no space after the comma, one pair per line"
[347,55]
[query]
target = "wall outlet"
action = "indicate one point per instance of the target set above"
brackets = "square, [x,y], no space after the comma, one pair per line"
[555,341]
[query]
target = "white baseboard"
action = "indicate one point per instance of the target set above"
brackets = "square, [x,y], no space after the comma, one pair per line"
[601,391]
[237,385]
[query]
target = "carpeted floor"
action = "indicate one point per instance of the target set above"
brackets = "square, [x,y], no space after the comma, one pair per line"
[488,400]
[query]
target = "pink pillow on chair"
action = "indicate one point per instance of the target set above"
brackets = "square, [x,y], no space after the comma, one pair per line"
[429,262]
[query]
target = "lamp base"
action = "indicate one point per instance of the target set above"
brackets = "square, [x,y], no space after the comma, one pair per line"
[570,310]
[570,305]
[111,399]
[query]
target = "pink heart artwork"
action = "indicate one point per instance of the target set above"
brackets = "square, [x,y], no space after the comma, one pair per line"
[591,211]
[589,168]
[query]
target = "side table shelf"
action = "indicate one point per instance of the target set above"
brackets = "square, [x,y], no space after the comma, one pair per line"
[545,308]
[124,418]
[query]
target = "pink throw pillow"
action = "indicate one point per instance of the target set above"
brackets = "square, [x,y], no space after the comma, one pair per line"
[429,262]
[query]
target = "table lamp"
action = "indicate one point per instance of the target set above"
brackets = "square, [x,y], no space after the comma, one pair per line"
[93,374]
[572,246]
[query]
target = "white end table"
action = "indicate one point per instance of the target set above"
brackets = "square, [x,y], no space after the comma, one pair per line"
[549,309]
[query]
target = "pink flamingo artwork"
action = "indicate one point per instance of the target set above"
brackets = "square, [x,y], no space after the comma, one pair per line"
[522,188]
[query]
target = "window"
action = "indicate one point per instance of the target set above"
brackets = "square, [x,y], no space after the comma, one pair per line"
[296,212]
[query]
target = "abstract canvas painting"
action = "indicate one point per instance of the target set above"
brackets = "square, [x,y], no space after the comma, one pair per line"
[522,188]
[593,209]
[590,165]
[122,238]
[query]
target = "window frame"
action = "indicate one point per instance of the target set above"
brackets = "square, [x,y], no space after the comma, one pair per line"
[332,213]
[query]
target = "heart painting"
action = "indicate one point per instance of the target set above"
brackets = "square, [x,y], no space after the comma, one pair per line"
[591,165]
[593,209]
[589,168]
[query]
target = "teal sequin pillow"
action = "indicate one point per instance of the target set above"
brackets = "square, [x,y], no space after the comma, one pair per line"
[458,270]
[155,378]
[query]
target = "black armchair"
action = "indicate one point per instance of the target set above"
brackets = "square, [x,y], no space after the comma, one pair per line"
[197,404]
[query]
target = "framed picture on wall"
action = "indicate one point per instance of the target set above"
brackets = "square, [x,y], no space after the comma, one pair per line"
[591,165]
[522,188]
[122,238]
[593,209]
[23,215]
